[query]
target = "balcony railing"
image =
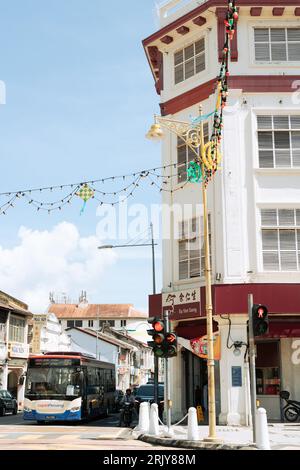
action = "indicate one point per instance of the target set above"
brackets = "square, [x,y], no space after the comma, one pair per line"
[169,10]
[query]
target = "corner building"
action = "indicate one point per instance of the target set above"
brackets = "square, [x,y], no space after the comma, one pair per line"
[253,200]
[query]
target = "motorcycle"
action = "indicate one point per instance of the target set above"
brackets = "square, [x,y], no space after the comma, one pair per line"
[127,417]
[291,409]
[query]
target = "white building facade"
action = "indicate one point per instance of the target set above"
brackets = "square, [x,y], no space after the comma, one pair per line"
[133,361]
[48,335]
[253,200]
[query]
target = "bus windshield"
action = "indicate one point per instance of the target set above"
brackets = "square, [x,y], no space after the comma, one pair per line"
[53,382]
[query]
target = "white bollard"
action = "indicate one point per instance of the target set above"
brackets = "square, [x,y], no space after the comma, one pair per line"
[144,417]
[262,432]
[193,431]
[154,425]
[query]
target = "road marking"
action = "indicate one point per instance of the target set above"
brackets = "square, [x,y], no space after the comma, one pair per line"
[68,437]
[30,437]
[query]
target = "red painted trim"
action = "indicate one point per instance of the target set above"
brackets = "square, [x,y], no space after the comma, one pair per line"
[278,11]
[255,11]
[233,299]
[199,21]
[211,4]
[248,83]
[55,357]
[167,39]
[183,30]
[297,11]
[189,98]
[221,15]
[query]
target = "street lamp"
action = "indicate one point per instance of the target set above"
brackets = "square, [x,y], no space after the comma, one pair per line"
[193,137]
[152,244]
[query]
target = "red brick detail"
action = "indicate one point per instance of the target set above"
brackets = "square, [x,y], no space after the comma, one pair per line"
[167,39]
[297,11]
[183,30]
[199,21]
[278,11]
[248,83]
[255,11]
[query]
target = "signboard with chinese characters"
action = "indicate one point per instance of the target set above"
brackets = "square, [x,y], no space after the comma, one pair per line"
[183,304]
[18,350]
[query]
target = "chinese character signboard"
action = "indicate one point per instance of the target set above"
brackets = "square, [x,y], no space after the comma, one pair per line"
[183,304]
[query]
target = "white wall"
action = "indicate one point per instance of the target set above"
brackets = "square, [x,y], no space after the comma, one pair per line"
[237,193]
[82,342]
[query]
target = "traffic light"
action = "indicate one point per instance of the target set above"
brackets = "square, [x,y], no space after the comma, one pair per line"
[171,345]
[158,336]
[260,320]
[164,344]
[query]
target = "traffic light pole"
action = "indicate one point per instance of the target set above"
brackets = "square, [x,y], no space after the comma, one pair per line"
[156,360]
[252,366]
[167,379]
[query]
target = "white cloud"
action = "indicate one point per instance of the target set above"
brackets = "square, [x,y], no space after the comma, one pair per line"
[58,260]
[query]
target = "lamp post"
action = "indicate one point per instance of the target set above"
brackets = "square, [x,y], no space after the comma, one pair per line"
[193,137]
[152,244]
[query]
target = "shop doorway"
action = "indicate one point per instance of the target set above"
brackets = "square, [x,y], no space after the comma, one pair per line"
[268,374]
[196,381]
[12,383]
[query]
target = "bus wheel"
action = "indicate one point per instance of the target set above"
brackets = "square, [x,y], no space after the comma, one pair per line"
[41,422]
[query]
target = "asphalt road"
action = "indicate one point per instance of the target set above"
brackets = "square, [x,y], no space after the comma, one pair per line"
[103,434]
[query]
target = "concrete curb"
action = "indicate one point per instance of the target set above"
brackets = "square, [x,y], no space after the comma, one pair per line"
[167,442]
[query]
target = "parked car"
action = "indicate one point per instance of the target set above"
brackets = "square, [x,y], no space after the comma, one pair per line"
[7,403]
[146,393]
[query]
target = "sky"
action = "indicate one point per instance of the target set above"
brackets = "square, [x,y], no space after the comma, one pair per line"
[80,98]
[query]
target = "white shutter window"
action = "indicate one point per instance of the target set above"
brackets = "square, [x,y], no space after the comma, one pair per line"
[189,61]
[279,141]
[191,249]
[264,122]
[281,245]
[277,44]
[269,217]
[271,261]
[286,217]
[281,122]
[295,122]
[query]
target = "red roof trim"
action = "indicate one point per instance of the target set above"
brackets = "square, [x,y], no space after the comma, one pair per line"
[210,4]
[248,83]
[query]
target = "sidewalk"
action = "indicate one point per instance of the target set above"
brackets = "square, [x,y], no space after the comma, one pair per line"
[232,438]
[282,437]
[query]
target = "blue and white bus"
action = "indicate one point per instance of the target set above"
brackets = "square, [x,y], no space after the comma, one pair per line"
[68,387]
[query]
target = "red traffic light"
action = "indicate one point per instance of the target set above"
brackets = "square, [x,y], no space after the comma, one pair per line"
[158,326]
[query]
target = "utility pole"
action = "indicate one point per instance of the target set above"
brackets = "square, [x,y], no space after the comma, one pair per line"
[156,359]
[167,380]
[252,366]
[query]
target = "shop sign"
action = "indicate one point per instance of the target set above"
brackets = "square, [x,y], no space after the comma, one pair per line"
[18,350]
[200,347]
[183,304]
